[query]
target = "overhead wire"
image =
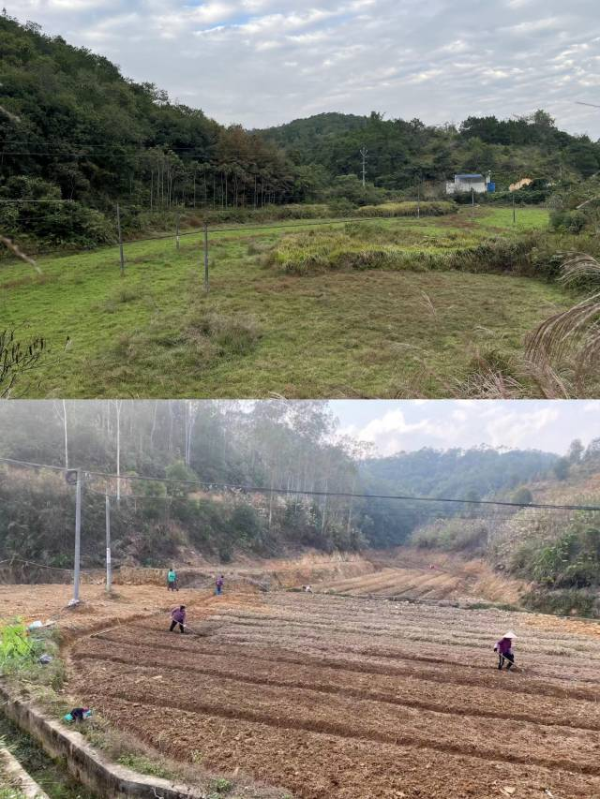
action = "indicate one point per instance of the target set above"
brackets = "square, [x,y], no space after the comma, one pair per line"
[252,489]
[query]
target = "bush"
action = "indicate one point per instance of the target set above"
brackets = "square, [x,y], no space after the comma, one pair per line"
[563,603]
[569,221]
[350,188]
[572,561]
[452,535]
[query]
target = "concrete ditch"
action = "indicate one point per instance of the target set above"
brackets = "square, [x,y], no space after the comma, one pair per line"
[84,763]
[14,776]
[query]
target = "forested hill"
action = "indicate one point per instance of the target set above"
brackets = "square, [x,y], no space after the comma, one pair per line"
[190,449]
[72,128]
[399,152]
[478,472]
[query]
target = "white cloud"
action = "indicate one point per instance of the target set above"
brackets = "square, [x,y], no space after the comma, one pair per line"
[392,426]
[535,25]
[230,57]
[511,428]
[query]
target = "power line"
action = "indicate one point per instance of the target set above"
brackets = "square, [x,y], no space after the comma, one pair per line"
[294,492]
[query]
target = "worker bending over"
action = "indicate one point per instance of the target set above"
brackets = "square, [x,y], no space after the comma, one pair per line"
[504,649]
[178,618]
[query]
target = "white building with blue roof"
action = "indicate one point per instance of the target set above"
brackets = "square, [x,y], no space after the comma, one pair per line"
[470,182]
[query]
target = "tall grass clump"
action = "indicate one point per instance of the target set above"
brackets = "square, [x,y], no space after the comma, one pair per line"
[572,338]
[368,246]
[407,208]
[229,334]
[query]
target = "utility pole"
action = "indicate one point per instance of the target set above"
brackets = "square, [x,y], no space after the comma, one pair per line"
[514,209]
[419,198]
[75,475]
[364,152]
[108,552]
[118,412]
[206,283]
[120,240]
[177,230]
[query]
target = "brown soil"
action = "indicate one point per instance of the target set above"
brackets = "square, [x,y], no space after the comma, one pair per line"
[427,574]
[345,698]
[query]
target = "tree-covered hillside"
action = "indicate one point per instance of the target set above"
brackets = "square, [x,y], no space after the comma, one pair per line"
[401,153]
[191,449]
[73,129]
[556,550]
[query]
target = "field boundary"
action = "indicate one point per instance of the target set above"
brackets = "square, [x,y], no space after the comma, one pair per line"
[83,761]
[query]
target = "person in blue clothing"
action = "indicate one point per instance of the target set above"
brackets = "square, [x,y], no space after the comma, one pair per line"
[220,584]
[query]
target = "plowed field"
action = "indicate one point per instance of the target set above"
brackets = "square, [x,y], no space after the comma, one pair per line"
[350,698]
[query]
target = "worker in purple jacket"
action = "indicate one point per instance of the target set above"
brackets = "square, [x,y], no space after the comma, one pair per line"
[504,649]
[219,584]
[178,618]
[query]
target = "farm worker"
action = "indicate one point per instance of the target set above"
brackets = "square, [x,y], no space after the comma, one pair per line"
[504,649]
[178,618]
[172,580]
[219,584]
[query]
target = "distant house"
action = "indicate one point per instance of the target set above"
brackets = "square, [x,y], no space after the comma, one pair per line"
[470,182]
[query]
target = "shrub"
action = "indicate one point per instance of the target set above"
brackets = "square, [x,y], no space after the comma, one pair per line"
[451,535]
[574,221]
[570,602]
[572,561]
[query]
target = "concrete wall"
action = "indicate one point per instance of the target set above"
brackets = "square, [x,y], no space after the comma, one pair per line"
[108,780]
[14,775]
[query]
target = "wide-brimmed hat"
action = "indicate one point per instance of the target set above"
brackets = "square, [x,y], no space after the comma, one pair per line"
[509,634]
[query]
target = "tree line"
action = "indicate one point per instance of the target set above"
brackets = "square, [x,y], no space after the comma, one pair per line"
[402,154]
[288,471]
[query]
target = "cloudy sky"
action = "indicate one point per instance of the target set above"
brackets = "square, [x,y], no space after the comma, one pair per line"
[263,62]
[395,425]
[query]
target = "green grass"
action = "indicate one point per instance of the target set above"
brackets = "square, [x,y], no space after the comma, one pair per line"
[350,332]
[144,765]
[527,218]
[11,793]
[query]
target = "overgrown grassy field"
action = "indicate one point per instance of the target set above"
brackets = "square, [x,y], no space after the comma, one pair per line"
[393,307]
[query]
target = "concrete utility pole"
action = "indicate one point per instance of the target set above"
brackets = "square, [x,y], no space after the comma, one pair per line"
[120,240]
[514,209]
[177,238]
[77,563]
[364,152]
[108,548]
